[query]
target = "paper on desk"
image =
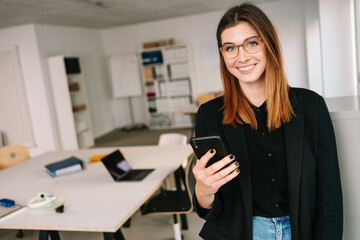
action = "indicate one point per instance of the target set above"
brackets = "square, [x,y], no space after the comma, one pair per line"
[4,211]
[50,206]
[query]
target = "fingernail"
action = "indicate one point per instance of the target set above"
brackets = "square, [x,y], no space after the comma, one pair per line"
[237,170]
[232,156]
[212,151]
[237,164]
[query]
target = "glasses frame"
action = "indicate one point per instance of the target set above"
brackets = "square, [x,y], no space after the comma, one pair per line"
[241,45]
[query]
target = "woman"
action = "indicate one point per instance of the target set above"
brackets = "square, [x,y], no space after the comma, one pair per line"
[283,181]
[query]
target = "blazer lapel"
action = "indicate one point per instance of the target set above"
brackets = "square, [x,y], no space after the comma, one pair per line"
[235,139]
[293,136]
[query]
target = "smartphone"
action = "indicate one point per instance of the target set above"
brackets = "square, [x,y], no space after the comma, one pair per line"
[202,145]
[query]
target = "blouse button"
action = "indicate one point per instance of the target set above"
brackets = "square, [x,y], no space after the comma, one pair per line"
[269,154]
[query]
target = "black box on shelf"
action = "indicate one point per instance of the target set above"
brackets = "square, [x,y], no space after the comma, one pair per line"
[72,65]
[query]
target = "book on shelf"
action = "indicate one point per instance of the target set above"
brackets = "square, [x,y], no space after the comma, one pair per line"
[66,166]
[159,71]
[150,90]
[79,108]
[152,105]
[74,87]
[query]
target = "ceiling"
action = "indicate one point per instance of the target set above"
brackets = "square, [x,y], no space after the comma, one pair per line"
[103,13]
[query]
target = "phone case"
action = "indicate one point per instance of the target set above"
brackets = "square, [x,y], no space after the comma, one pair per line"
[202,145]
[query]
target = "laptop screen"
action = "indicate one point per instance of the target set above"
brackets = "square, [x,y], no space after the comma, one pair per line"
[116,164]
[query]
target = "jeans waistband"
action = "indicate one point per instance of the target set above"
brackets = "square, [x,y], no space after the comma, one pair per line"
[275,219]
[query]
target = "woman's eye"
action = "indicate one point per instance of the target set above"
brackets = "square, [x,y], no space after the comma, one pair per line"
[230,48]
[252,43]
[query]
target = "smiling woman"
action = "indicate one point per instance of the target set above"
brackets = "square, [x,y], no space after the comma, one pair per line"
[281,179]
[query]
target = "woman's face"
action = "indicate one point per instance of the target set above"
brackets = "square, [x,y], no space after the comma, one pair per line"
[248,68]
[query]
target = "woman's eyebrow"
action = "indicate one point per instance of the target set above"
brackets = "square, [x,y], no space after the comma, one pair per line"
[239,44]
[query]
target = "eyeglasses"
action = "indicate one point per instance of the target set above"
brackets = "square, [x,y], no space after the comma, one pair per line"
[251,45]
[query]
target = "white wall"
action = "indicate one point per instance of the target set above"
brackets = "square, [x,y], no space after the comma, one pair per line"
[289,21]
[313,46]
[338,47]
[199,33]
[24,37]
[57,40]
[303,27]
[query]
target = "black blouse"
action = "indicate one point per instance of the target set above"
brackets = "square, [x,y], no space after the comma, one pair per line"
[268,167]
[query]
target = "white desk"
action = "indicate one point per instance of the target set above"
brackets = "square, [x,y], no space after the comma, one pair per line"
[93,201]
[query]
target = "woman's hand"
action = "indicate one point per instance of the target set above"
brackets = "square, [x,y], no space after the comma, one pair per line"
[210,179]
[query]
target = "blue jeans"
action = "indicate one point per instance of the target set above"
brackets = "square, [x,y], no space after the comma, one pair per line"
[277,228]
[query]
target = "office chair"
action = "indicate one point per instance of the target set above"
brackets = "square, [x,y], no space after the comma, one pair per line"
[176,201]
[167,139]
[11,155]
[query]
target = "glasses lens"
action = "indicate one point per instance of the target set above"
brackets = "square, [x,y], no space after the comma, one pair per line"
[252,45]
[230,50]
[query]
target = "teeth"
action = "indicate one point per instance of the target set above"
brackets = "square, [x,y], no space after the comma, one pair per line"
[246,68]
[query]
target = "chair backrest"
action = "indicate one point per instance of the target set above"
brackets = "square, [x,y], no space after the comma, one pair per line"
[189,176]
[172,139]
[167,139]
[189,183]
[13,154]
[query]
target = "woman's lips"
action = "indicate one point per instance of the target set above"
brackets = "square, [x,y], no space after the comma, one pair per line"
[246,69]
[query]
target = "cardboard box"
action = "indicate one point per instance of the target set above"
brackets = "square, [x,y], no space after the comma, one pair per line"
[203,98]
[74,87]
[150,44]
[149,73]
[79,108]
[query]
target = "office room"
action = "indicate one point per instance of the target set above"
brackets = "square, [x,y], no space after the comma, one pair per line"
[319,40]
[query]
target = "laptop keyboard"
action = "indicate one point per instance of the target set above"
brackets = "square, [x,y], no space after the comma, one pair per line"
[137,174]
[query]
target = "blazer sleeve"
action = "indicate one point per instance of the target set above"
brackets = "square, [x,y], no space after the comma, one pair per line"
[200,131]
[329,205]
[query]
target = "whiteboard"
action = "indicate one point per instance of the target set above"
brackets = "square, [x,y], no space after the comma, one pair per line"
[125,76]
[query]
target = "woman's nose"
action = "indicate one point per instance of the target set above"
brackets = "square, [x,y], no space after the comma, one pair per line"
[243,56]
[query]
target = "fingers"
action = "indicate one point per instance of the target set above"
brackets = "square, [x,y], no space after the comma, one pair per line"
[226,171]
[227,178]
[205,158]
[215,167]
[216,174]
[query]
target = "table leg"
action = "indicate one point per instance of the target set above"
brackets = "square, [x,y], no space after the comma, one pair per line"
[114,236]
[44,235]
[184,225]
[127,224]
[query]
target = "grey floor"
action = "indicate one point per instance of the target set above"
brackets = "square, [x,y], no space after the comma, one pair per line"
[136,137]
[154,227]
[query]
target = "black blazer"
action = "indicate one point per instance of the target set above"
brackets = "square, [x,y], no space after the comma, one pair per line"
[315,196]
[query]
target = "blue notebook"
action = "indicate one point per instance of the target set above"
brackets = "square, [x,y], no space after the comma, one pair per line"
[66,166]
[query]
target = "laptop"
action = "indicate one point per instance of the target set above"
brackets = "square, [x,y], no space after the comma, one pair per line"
[120,169]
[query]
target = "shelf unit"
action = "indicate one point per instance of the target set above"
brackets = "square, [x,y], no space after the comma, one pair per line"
[167,86]
[71,103]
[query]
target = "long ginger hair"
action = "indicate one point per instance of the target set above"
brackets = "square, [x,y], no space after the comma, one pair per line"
[236,106]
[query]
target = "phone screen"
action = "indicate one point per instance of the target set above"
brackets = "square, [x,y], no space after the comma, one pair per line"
[202,145]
